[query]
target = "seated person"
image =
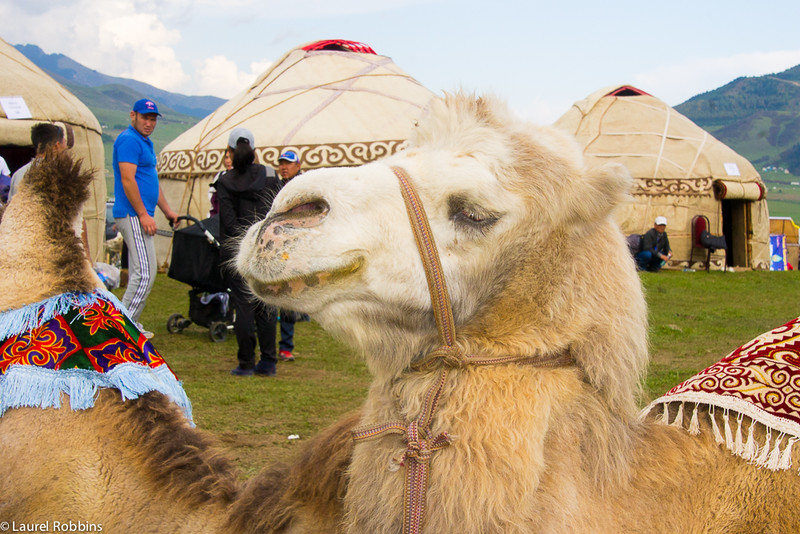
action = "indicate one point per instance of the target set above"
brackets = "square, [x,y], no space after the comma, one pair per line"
[655,251]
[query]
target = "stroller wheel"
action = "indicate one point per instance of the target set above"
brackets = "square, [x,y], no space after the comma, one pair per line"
[218,331]
[176,323]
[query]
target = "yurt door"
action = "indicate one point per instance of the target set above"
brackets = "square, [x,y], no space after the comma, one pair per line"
[737,227]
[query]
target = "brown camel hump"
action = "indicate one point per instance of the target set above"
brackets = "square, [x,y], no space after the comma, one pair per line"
[41,253]
[178,459]
[61,183]
[314,486]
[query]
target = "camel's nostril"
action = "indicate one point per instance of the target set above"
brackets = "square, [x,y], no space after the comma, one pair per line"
[305,213]
[307,207]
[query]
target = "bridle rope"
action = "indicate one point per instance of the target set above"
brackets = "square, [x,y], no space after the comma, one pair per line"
[420,441]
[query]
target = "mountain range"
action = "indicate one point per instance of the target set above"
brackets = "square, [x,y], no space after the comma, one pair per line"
[759,117]
[110,98]
[71,73]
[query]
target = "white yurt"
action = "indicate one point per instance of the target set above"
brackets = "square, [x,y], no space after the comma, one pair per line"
[680,171]
[28,96]
[336,103]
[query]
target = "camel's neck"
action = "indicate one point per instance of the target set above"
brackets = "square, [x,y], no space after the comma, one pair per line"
[501,419]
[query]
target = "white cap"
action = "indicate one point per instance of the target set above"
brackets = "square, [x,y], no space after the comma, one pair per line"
[241,133]
[661,220]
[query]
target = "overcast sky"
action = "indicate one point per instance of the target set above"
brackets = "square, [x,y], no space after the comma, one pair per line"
[539,56]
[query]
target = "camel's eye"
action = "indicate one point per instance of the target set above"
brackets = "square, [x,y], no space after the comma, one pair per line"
[471,217]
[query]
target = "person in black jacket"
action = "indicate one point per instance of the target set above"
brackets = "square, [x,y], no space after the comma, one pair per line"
[245,195]
[655,250]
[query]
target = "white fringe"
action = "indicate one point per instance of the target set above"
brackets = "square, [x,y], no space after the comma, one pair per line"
[665,415]
[764,455]
[694,424]
[715,427]
[728,433]
[678,422]
[786,457]
[774,455]
[750,449]
[739,444]
[774,460]
[37,387]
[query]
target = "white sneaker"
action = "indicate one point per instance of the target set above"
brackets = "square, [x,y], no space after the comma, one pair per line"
[147,334]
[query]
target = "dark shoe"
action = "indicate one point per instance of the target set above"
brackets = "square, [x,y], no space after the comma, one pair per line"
[242,372]
[265,368]
[286,356]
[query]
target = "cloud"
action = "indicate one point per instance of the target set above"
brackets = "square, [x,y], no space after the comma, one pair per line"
[676,83]
[320,8]
[117,37]
[219,76]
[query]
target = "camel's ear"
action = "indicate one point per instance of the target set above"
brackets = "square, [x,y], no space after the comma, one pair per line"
[600,191]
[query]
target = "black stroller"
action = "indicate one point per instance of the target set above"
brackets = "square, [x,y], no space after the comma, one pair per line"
[196,261]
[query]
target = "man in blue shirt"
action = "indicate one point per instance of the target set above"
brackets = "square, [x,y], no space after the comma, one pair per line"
[137,192]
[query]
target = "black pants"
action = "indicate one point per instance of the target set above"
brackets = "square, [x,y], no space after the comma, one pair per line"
[254,320]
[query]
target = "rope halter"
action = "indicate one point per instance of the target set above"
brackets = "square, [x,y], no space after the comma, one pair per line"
[420,441]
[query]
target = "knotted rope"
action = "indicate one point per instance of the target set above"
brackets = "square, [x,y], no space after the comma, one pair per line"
[420,441]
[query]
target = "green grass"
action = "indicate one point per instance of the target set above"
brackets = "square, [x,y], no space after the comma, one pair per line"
[253,417]
[695,319]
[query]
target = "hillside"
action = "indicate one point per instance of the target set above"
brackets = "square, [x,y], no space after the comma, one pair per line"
[71,73]
[759,117]
[110,99]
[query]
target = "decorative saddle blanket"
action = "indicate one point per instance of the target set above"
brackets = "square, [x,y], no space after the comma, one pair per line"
[76,343]
[757,383]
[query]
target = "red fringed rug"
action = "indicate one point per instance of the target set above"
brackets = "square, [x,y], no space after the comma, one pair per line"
[758,383]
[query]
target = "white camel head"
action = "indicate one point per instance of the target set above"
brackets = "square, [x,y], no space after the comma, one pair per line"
[521,228]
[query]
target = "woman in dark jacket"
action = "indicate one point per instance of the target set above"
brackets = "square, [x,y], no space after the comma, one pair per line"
[245,195]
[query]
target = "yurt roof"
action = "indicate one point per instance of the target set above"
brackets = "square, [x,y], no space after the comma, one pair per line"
[335,102]
[654,141]
[46,99]
[29,96]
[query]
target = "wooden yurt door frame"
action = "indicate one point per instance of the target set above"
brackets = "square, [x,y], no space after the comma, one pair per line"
[737,226]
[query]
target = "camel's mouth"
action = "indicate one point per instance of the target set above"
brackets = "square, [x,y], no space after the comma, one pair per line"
[295,286]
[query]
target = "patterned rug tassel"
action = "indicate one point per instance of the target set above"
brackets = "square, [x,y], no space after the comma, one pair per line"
[694,424]
[764,454]
[750,449]
[786,457]
[665,415]
[739,444]
[728,432]
[715,427]
[774,460]
[678,422]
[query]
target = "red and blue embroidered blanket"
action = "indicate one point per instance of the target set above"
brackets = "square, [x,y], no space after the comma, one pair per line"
[76,343]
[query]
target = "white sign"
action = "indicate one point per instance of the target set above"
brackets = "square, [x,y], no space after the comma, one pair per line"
[15,107]
[732,169]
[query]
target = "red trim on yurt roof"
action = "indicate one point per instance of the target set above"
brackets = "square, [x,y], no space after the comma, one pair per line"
[340,44]
[628,90]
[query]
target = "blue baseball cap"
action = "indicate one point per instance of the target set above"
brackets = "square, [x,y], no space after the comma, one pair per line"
[290,156]
[145,106]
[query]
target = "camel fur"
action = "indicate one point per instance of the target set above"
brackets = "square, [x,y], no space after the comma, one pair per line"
[535,266]
[134,465]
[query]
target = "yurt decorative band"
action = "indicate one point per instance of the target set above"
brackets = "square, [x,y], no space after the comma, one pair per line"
[325,155]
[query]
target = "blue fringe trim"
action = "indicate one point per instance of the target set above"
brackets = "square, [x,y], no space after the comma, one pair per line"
[32,316]
[36,387]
